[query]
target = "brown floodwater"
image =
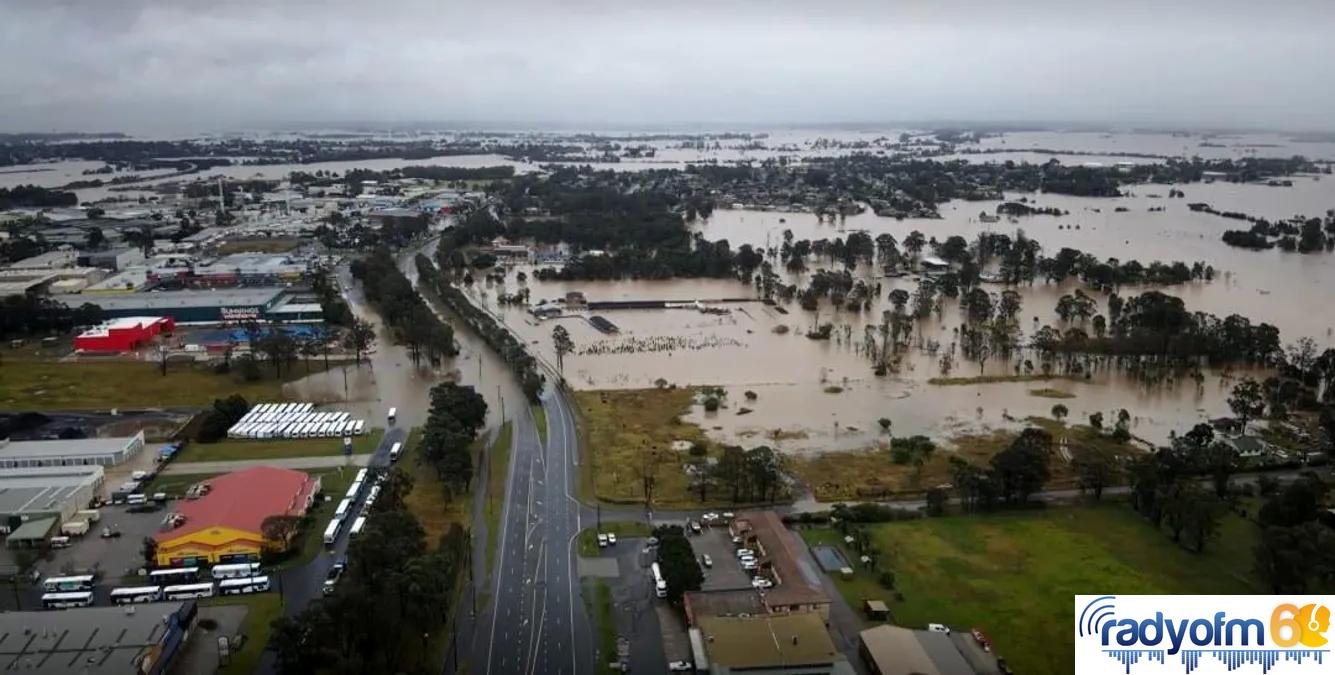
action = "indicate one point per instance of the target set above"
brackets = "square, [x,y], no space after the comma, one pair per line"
[388,378]
[790,374]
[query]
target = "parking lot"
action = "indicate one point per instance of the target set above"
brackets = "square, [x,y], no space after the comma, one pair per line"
[115,557]
[727,572]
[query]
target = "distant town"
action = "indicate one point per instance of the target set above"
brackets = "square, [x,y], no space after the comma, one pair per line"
[837,401]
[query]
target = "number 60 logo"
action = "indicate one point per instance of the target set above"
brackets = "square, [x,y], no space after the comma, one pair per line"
[1291,625]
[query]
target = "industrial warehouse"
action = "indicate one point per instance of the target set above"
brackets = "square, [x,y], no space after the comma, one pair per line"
[72,452]
[97,640]
[34,500]
[226,523]
[208,306]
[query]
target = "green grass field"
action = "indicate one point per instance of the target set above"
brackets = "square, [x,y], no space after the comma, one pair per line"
[238,449]
[499,458]
[263,608]
[1014,575]
[30,384]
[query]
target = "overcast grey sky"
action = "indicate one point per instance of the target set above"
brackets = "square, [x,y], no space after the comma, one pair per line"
[145,65]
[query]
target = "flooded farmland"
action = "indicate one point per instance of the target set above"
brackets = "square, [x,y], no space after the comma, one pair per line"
[813,395]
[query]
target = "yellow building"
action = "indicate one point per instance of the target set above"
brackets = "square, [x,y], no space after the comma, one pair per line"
[226,524]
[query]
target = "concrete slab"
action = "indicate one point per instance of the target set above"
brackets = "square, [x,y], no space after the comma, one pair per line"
[606,568]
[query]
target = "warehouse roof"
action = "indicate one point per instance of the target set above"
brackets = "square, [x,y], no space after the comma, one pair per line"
[44,488]
[768,641]
[243,499]
[124,323]
[92,640]
[231,297]
[77,447]
[902,651]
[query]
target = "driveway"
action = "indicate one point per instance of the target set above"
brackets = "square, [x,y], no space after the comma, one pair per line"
[329,462]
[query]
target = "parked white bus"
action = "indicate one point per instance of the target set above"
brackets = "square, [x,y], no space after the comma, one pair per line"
[235,570]
[343,507]
[243,586]
[357,526]
[394,451]
[66,584]
[331,531]
[660,586]
[174,575]
[66,600]
[126,596]
[187,591]
[354,490]
[361,476]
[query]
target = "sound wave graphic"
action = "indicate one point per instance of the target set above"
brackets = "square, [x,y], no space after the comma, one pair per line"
[1233,659]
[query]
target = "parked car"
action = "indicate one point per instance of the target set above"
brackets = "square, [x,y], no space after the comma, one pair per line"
[737,541]
[749,565]
[937,628]
[706,560]
[677,666]
[762,582]
[709,517]
[602,540]
[332,576]
[611,539]
[695,527]
[745,553]
[727,515]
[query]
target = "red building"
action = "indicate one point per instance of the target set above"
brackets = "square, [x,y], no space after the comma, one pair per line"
[124,335]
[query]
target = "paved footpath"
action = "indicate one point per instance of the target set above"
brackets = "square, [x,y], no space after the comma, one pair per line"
[331,461]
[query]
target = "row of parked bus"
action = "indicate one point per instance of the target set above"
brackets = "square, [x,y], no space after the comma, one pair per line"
[311,425]
[343,513]
[176,583]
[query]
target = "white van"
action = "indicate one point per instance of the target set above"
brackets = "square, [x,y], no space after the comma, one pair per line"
[136,499]
[394,451]
[393,413]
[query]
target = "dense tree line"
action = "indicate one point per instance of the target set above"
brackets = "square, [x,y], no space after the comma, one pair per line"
[218,419]
[32,196]
[498,337]
[403,309]
[676,560]
[456,415]
[333,306]
[1296,553]
[396,595]
[1011,477]
[1166,487]
[38,316]
[754,475]
[1157,324]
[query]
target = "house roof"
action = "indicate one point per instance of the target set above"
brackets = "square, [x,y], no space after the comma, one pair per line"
[243,499]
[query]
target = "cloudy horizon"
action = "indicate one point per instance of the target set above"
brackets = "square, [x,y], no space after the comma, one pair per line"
[150,65]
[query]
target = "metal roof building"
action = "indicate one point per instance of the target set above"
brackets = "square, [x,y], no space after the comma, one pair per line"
[47,491]
[96,640]
[73,452]
[199,306]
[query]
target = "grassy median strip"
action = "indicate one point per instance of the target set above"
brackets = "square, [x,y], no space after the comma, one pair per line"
[234,449]
[262,610]
[540,419]
[498,471]
[588,537]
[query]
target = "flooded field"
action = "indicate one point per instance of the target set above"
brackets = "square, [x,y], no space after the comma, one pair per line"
[821,395]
